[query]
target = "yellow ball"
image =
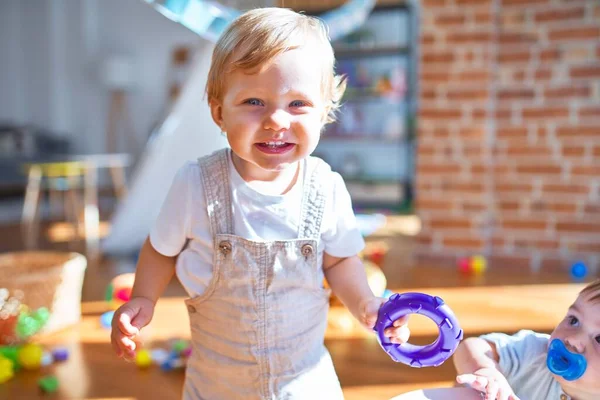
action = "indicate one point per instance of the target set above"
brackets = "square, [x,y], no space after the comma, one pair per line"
[6,369]
[30,356]
[143,359]
[478,264]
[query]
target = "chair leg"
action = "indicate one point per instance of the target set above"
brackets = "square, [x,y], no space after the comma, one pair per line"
[30,216]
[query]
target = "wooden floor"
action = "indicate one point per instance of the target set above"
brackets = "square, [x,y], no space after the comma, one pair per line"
[498,300]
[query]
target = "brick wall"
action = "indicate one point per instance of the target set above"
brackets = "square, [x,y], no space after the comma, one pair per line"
[509,131]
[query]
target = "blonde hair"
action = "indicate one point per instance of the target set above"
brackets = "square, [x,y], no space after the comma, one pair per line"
[593,287]
[259,35]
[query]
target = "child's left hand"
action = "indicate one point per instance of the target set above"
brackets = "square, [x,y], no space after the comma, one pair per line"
[369,309]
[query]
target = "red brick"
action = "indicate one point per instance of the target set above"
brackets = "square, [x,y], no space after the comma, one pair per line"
[541,205]
[580,227]
[435,3]
[437,57]
[550,55]
[450,19]
[514,57]
[524,224]
[427,38]
[578,131]
[468,38]
[435,77]
[575,33]
[509,261]
[503,113]
[433,204]
[536,244]
[438,168]
[467,94]
[471,206]
[471,132]
[587,247]
[524,188]
[472,2]
[543,75]
[511,132]
[463,243]
[522,150]
[474,75]
[596,151]
[539,169]
[593,170]
[560,14]
[471,187]
[592,208]
[523,2]
[483,17]
[508,205]
[511,38]
[516,94]
[555,188]
[545,112]
[440,113]
[573,151]
[428,94]
[588,71]
[450,223]
[567,92]
[587,112]
[424,239]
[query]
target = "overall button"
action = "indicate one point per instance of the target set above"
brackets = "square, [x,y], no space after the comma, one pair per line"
[307,250]
[225,247]
[563,397]
[191,308]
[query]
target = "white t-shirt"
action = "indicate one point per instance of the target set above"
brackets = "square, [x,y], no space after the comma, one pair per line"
[523,363]
[183,227]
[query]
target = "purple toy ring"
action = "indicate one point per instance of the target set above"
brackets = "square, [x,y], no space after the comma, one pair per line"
[432,307]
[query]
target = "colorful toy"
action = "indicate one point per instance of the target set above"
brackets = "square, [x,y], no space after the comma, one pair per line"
[562,362]
[579,270]
[119,290]
[30,356]
[48,384]
[473,265]
[60,354]
[434,308]
[7,369]
[29,324]
[143,359]
[106,319]
[46,359]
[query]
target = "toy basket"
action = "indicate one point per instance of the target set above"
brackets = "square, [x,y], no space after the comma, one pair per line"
[45,279]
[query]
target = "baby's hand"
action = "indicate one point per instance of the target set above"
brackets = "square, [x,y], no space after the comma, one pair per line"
[127,322]
[489,381]
[369,309]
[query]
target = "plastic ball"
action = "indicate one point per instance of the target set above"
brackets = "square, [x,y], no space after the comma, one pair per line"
[143,359]
[48,384]
[106,319]
[30,356]
[478,264]
[123,294]
[159,356]
[7,370]
[579,270]
[47,359]
[180,345]
[464,265]
[186,352]
[60,354]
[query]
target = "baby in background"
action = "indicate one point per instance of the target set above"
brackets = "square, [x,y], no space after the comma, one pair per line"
[515,367]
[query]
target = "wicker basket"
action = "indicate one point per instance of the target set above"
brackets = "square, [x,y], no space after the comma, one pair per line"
[47,279]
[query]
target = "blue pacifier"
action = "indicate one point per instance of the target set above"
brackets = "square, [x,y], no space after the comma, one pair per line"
[562,362]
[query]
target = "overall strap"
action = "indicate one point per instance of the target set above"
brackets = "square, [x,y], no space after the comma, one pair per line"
[316,185]
[214,170]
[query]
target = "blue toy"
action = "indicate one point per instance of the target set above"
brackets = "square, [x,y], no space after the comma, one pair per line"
[562,362]
[106,319]
[432,307]
[579,270]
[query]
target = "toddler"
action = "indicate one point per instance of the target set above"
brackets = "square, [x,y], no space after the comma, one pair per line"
[252,231]
[514,367]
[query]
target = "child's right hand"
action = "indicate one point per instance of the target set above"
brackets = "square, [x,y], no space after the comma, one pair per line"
[489,381]
[127,322]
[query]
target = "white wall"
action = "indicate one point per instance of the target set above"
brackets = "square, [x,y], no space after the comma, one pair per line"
[50,53]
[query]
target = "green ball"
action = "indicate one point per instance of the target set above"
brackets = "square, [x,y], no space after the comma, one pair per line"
[48,384]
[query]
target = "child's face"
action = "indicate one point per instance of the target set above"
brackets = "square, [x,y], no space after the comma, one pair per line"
[580,331]
[273,117]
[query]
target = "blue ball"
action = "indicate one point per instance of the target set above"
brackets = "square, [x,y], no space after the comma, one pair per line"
[106,319]
[579,270]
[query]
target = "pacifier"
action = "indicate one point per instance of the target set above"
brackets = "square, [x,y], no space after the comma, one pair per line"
[562,362]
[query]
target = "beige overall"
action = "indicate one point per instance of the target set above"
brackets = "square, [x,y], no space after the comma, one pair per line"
[258,329]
